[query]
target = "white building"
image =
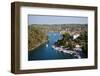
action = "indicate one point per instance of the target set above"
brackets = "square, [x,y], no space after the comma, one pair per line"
[76,36]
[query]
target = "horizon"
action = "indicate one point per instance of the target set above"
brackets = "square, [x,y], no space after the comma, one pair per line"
[50,20]
[58,24]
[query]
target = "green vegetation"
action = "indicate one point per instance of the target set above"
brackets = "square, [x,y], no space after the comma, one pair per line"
[60,27]
[37,34]
[35,37]
[84,42]
[68,42]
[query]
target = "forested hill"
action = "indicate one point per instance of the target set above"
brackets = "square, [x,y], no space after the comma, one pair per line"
[35,37]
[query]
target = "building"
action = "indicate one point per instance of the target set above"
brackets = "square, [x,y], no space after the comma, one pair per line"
[76,36]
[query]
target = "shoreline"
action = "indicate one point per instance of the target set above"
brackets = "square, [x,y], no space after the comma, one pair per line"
[37,46]
[60,49]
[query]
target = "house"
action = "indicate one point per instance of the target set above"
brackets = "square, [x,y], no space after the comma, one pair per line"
[78,48]
[62,32]
[75,36]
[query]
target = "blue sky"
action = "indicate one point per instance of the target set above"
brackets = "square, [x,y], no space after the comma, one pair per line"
[40,19]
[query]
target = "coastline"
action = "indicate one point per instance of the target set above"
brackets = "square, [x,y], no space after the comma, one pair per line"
[67,51]
[37,46]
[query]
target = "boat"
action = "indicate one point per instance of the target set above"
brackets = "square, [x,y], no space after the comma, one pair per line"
[46,45]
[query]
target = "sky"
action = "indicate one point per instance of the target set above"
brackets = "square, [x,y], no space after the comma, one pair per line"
[41,19]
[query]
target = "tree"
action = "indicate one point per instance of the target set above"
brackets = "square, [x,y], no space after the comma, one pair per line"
[66,36]
[84,42]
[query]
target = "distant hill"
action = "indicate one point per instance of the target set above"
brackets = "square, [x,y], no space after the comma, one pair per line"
[60,27]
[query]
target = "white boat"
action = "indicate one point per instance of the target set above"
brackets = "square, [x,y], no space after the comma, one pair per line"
[53,47]
[46,45]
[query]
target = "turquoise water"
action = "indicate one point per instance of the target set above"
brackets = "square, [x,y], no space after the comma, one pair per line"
[44,52]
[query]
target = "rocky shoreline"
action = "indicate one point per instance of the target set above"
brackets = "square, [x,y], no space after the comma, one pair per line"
[66,50]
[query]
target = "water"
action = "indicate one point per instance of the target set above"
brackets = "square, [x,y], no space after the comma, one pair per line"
[46,52]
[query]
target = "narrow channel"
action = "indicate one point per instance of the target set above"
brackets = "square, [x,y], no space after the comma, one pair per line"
[46,52]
